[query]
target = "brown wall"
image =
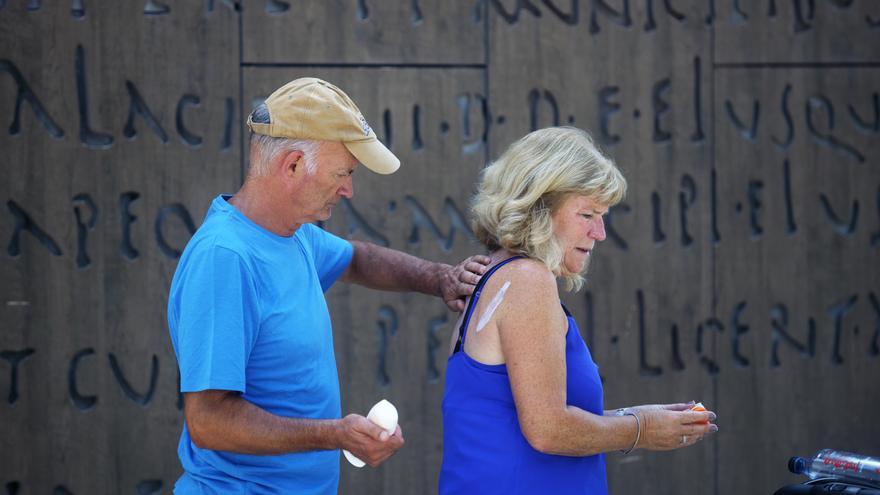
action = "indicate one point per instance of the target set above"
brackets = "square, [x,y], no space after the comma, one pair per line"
[742,270]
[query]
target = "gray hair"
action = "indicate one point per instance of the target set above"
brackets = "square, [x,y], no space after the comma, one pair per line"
[264,149]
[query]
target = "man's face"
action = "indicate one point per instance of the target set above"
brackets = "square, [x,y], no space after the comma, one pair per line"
[331,181]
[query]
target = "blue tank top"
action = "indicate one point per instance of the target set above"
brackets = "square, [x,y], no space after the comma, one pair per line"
[484,450]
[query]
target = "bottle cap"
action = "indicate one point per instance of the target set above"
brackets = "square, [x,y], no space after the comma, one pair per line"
[797,465]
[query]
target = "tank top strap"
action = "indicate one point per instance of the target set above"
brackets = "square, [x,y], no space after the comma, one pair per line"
[473,302]
[567,312]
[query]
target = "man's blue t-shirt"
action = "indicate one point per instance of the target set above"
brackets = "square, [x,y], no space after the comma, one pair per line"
[247,313]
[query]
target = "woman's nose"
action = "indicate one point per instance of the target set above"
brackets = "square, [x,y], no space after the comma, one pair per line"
[597,229]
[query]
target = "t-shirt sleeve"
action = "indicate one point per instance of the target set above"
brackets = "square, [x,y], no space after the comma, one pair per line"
[218,320]
[332,254]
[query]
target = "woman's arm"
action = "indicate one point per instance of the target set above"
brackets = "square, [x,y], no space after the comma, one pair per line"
[532,330]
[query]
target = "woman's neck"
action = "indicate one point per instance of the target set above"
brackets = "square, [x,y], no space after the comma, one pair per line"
[500,255]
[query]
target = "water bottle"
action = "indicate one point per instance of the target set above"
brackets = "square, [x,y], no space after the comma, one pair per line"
[837,464]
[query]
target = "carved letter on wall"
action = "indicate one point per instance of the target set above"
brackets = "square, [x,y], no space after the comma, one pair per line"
[83,227]
[14,358]
[26,94]
[24,223]
[421,219]
[645,369]
[779,323]
[187,136]
[142,399]
[81,402]
[181,212]
[387,326]
[139,107]
[126,248]
[434,343]
[87,136]
[837,312]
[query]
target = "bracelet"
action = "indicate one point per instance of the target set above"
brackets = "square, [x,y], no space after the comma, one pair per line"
[627,412]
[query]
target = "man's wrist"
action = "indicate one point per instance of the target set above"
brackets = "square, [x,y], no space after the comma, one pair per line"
[441,270]
[335,434]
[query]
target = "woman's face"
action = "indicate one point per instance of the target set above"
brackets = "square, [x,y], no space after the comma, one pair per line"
[578,225]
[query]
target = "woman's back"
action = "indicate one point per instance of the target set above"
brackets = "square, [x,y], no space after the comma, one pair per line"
[484,449]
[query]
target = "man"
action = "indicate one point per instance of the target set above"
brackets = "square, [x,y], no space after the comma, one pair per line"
[247,314]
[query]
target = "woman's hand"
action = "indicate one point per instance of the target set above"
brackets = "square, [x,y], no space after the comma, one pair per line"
[672,426]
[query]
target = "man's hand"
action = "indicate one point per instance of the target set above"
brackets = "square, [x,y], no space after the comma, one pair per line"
[368,441]
[458,282]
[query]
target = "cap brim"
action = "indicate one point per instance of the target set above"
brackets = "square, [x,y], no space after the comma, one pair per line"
[374,155]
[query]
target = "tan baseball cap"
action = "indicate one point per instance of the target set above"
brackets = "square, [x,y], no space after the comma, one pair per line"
[309,108]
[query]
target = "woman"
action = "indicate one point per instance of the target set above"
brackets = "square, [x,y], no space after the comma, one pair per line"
[523,410]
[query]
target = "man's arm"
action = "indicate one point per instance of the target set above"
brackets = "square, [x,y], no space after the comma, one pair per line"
[377,267]
[222,420]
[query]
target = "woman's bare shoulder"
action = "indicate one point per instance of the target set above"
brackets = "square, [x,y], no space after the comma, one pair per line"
[530,281]
[528,270]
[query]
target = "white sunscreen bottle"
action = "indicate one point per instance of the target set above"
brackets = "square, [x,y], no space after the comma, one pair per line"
[383,414]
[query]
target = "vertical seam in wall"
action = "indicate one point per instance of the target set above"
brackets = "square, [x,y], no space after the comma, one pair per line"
[485,13]
[241,93]
[715,448]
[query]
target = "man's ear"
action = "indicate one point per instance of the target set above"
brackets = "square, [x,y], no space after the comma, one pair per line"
[290,162]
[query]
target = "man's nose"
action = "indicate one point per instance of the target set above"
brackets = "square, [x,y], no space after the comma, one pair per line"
[597,230]
[346,190]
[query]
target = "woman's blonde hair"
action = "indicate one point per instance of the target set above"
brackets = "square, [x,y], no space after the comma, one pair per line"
[520,191]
